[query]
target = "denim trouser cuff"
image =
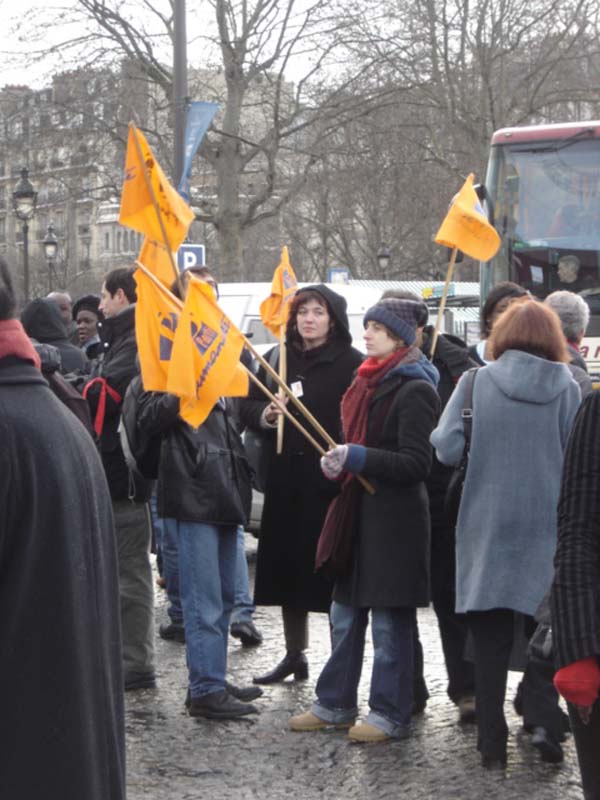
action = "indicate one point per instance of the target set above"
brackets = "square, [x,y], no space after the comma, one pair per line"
[393,729]
[336,716]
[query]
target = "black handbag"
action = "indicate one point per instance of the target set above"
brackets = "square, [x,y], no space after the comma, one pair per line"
[457,481]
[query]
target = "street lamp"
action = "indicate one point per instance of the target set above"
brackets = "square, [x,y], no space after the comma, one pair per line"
[50,243]
[24,200]
[383,257]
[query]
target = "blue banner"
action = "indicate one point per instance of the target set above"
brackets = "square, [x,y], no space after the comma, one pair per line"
[199,117]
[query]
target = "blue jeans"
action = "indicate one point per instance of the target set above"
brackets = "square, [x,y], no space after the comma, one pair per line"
[170,564]
[207,571]
[243,607]
[390,698]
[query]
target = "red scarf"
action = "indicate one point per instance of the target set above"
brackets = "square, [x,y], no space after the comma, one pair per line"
[355,402]
[15,342]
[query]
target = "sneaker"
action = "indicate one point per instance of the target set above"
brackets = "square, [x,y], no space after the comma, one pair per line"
[172,632]
[139,680]
[219,705]
[310,722]
[363,732]
[466,709]
[247,633]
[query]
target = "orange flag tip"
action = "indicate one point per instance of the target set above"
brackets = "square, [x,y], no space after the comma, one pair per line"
[466,226]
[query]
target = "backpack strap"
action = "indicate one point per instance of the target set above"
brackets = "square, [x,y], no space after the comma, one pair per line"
[467,409]
[105,389]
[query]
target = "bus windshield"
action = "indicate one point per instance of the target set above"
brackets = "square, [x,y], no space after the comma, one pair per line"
[544,200]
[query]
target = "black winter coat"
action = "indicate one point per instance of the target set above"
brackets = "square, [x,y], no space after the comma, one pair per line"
[61,726]
[451,359]
[391,554]
[118,366]
[297,494]
[575,597]
[203,474]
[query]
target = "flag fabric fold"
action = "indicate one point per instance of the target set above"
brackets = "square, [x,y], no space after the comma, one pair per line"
[156,320]
[466,226]
[155,257]
[274,311]
[137,208]
[205,361]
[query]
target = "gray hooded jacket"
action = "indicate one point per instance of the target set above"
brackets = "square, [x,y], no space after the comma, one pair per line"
[523,409]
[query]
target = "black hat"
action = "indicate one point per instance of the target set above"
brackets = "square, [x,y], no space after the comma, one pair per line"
[91,302]
[401,317]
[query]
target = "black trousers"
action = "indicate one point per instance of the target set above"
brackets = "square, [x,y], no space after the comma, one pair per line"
[492,633]
[452,626]
[587,742]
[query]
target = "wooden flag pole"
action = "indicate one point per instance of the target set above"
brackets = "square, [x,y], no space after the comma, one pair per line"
[283,376]
[438,322]
[283,386]
[176,273]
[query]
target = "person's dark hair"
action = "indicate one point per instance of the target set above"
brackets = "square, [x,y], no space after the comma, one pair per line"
[399,294]
[121,278]
[200,272]
[498,293]
[300,298]
[532,327]
[7,295]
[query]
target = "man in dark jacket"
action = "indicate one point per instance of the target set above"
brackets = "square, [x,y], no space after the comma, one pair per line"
[105,392]
[61,727]
[203,496]
[42,321]
[451,359]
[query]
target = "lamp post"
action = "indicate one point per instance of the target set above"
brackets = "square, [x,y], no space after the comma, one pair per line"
[383,257]
[50,243]
[24,200]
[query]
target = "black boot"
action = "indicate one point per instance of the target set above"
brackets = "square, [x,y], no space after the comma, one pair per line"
[219,705]
[293,663]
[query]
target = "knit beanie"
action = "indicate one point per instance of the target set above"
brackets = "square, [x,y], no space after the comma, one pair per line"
[90,302]
[401,317]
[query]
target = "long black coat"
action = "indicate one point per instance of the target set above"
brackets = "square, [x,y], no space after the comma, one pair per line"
[576,589]
[297,495]
[61,688]
[391,554]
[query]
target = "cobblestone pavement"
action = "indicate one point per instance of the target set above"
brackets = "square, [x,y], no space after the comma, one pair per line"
[171,756]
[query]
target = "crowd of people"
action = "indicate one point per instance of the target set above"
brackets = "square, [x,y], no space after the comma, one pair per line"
[362,533]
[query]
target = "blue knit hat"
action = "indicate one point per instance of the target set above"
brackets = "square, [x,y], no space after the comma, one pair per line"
[401,317]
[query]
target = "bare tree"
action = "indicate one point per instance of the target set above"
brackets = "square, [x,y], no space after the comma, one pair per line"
[265,141]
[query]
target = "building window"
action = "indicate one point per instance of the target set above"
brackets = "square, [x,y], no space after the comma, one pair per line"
[2,229]
[107,241]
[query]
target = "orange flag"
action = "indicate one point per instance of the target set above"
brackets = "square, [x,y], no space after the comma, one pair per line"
[155,257]
[156,318]
[466,226]
[205,362]
[137,209]
[274,311]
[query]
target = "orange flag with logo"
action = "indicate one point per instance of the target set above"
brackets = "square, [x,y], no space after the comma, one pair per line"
[137,207]
[205,362]
[155,257]
[274,311]
[466,226]
[156,319]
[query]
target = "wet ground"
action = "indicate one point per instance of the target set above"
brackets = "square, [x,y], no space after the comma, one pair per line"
[174,757]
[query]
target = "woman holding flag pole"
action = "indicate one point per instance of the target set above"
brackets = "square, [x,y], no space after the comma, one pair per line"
[320,365]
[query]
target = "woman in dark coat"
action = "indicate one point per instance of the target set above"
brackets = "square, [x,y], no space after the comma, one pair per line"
[576,591]
[320,365]
[388,414]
